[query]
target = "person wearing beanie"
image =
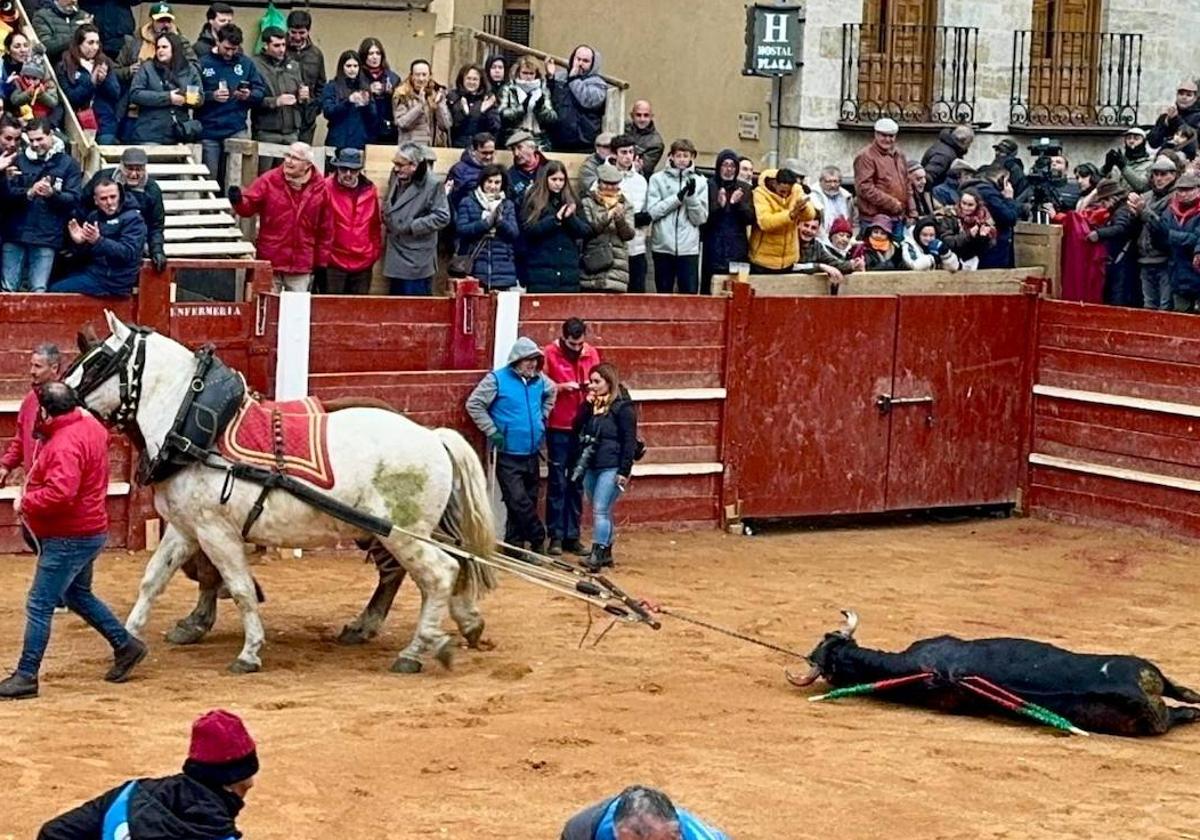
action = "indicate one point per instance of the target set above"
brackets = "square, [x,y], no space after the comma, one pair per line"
[841,237]
[201,802]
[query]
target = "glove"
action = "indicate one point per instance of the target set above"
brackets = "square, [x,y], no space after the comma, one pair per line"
[1113,159]
[234,194]
[690,189]
[935,247]
[641,219]
[682,194]
[159,259]
[496,439]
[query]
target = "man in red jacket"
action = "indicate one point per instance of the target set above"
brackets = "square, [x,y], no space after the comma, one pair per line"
[64,505]
[568,361]
[355,226]
[43,368]
[292,205]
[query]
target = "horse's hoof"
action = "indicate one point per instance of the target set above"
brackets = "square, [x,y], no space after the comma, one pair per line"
[473,635]
[404,665]
[241,666]
[445,653]
[185,634]
[353,636]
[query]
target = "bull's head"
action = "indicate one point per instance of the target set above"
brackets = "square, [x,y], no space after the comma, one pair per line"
[821,657]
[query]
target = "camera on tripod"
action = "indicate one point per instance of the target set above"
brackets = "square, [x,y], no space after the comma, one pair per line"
[1040,179]
[1042,151]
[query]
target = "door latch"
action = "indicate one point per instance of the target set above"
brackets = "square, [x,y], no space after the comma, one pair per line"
[886,402]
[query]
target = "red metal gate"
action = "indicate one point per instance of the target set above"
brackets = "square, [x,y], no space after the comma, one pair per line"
[867,404]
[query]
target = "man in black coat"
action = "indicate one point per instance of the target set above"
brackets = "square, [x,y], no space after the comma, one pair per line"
[141,189]
[952,144]
[202,801]
[1006,156]
[1185,111]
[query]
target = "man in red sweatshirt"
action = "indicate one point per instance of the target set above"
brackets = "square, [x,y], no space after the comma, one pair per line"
[43,368]
[568,361]
[64,506]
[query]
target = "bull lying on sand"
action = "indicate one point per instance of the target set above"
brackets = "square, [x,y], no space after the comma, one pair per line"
[1115,694]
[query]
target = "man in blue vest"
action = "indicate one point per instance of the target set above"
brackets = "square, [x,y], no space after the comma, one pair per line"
[510,406]
[638,813]
[202,801]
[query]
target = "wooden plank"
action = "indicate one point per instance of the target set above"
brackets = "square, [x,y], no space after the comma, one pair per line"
[1117,418]
[113,153]
[992,281]
[597,308]
[642,395]
[678,433]
[208,249]
[1140,378]
[644,469]
[610,333]
[199,185]
[189,234]
[1143,345]
[1173,456]
[194,205]
[200,220]
[1091,468]
[158,170]
[1168,325]
[1101,398]
[1087,508]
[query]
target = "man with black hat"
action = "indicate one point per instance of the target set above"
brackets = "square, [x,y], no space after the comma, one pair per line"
[64,506]
[202,801]
[356,228]
[1006,156]
[143,191]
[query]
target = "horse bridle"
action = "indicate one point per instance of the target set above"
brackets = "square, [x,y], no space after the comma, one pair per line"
[115,362]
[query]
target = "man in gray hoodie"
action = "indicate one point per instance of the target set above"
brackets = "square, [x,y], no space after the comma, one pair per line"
[510,406]
[578,93]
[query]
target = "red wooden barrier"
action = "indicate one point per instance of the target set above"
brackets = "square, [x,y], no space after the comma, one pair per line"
[1116,419]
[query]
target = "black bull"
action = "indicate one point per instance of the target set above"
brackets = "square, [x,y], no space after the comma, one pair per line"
[1115,694]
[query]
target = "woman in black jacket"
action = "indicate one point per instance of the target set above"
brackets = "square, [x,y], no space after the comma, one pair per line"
[730,215]
[606,447]
[474,107]
[552,227]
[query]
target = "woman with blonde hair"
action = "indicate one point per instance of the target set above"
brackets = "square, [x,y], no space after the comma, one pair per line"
[606,445]
[525,101]
[419,105]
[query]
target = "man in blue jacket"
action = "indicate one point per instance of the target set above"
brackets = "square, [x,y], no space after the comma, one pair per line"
[41,195]
[510,406]
[638,813]
[110,239]
[232,88]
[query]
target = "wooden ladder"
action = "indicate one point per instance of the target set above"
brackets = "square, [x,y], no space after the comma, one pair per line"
[199,224]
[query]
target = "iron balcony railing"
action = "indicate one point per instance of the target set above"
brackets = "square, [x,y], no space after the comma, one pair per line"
[913,74]
[1075,79]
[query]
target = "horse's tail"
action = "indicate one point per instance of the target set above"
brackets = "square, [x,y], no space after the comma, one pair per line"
[468,516]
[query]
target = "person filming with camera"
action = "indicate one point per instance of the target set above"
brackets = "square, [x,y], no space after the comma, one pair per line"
[606,447]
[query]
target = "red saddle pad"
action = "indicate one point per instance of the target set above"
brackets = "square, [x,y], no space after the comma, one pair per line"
[250,438]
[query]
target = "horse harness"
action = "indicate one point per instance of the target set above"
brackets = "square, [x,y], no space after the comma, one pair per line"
[214,396]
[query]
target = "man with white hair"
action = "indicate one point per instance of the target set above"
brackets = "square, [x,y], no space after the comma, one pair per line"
[881,177]
[292,205]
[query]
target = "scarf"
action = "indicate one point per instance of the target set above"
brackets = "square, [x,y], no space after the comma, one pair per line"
[980,217]
[489,203]
[601,404]
[880,242]
[527,92]
[608,202]
[1183,213]
[298,183]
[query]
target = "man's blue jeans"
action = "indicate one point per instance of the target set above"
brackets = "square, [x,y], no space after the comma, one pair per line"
[23,262]
[421,287]
[564,502]
[602,489]
[64,573]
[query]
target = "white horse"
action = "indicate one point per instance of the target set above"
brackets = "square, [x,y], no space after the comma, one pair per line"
[383,465]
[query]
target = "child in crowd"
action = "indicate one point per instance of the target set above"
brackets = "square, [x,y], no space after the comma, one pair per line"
[879,249]
[841,238]
[923,251]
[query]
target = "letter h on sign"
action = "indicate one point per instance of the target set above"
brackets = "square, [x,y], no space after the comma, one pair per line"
[774,39]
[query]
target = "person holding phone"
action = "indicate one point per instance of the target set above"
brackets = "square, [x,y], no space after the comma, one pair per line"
[232,88]
[606,445]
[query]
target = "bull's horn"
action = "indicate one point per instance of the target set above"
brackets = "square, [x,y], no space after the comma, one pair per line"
[807,680]
[851,623]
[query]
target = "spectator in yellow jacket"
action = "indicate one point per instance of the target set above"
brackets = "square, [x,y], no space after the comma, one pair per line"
[779,205]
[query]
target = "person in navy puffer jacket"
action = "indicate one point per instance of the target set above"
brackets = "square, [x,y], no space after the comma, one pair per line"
[232,88]
[111,239]
[346,104]
[487,214]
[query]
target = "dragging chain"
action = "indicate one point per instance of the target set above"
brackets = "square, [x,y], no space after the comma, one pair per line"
[731,633]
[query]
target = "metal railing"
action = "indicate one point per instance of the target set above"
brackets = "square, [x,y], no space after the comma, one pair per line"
[913,74]
[1080,79]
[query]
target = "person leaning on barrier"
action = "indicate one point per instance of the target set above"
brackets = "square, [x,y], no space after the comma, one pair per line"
[143,191]
[65,508]
[638,813]
[201,802]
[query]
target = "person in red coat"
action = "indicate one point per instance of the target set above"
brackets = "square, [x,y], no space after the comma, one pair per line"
[64,506]
[356,226]
[292,205]
[568,360]
[43,367]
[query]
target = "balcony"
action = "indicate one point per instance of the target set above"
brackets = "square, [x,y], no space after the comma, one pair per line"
[1075,82]
[920,76]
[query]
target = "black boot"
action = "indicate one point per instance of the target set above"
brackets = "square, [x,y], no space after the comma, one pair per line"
[18,687]
[606,558]
[556,548]
[594,561]
[124,659]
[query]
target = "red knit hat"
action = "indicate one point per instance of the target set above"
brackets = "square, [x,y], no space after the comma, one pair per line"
[840,225]
[222,751]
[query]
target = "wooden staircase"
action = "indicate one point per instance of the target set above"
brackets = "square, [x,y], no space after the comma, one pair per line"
[199,223]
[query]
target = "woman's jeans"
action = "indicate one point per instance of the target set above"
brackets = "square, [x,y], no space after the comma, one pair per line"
[64,574]
[601,487]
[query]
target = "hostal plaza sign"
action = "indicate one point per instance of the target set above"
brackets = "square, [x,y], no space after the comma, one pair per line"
[774,40]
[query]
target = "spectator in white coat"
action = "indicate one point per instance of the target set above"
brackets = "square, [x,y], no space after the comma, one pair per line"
[635,190]
[833,200]
[922,250]
[678,206]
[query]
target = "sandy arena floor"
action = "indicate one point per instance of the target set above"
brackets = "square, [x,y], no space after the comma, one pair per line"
[509,743]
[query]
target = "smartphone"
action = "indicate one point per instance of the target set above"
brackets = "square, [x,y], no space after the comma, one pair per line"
[243,86]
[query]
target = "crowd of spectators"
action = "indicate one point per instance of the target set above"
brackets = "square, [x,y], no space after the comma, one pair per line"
[638,203]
